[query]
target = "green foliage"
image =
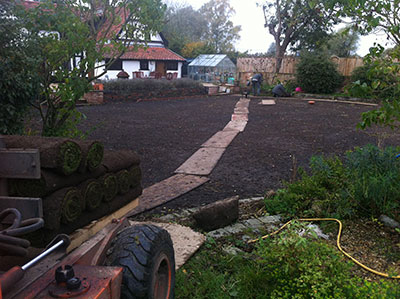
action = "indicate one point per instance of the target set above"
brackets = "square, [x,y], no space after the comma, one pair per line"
[316,73]
[18,81]
[343,43]
[134,85]
[369,15]
[184,26]
[73,38]
[375,177]
[286,266]
[299,25]
[221,34]
[367,183]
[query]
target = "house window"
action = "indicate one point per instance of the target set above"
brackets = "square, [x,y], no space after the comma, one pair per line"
[144,65]
[115,66]
[172,65]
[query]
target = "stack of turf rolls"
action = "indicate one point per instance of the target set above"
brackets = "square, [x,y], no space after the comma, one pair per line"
[80,181]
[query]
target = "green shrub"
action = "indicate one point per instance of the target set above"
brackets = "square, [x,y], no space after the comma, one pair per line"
[285,266]
[375,178]
[316,73]
[370,81]
[366,183]
[137,85]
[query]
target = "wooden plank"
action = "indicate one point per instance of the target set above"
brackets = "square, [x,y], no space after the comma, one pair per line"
[167,190]
[201,162]
[83,234]
[20,164]
[238,125]
[221,139]
[29,207]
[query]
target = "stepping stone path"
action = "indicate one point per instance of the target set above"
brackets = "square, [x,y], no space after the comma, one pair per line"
[191,174]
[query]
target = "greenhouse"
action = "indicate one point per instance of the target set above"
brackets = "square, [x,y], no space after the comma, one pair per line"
[212,68]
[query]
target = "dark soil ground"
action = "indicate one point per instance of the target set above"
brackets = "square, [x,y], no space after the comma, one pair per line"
[277,139]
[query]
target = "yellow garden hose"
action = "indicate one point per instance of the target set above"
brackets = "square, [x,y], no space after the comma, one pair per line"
[337,243]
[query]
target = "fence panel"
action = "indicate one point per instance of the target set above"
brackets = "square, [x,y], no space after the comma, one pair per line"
[246,67]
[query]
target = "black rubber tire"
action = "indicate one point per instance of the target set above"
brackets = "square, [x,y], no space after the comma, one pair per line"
[146,254]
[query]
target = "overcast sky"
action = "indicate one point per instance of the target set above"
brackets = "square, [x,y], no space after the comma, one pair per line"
[255,38]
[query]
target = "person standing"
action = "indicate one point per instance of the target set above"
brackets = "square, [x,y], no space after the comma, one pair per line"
[256,81]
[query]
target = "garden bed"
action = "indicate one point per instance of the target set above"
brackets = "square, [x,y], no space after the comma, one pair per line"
[141,89]
[277,139]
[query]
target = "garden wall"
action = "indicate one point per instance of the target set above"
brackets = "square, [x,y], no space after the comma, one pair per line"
[246,67]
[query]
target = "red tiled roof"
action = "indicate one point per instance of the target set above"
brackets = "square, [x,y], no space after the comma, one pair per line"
[152,53]
[29,4]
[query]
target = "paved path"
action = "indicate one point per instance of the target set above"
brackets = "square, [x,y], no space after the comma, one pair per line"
[192,173]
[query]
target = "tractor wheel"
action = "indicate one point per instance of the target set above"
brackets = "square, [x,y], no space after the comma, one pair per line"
[146,254]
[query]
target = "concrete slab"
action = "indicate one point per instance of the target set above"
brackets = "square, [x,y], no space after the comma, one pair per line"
[186,241]
[167,190]
[242,117]
[221,139]
[201,162]
[238,125]
[241,110]
[268,102]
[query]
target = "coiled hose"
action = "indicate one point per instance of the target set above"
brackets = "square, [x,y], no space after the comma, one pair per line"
[9,243]
[337,243]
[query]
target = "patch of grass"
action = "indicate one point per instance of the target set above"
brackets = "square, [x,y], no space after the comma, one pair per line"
[287,266]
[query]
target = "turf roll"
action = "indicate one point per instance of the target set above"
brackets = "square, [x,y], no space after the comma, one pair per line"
[61,154]
[92,193]
[136,176]
[115,161]
[124,181]
[51,181]
[63,206]
[92,155]
[122,200]
[110,186]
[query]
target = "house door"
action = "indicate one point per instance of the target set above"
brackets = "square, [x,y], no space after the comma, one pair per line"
[161,68]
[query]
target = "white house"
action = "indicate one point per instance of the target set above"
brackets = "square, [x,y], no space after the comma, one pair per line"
[154,60]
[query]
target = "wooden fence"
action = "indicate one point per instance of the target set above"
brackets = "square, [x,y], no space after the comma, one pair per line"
[246,67]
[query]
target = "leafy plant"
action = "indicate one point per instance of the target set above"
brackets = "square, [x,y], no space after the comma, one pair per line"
[366,183]
[285,266]
[18,82]
[316,73]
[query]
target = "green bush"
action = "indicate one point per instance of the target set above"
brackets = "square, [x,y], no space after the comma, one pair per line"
[366,183]
[19,83]
[370,81]
[316,73]
[135,85]
[285,266]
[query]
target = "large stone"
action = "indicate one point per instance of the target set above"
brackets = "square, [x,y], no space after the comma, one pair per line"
[218,214]
[389,221]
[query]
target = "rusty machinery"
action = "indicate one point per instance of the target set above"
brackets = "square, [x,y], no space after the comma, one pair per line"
[65,268]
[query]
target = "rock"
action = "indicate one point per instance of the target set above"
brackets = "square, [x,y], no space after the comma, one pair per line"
[270,193]
[232,250]
[389,221]
[316,230]
[218,214]
[319,207]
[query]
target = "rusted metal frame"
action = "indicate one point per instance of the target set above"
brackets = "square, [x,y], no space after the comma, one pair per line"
[88,253]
